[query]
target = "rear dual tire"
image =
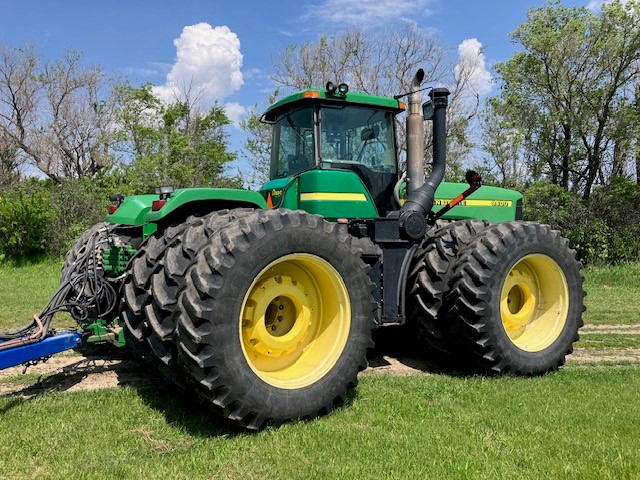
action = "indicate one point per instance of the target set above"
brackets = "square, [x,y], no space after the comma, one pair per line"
[168,282]
[276,318]
[154,284]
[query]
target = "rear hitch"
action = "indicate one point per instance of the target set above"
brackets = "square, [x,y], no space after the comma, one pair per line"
[53,343]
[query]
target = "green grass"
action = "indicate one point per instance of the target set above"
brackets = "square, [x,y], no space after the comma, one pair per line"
[578,423]
[601,341]
[563,425]
[27,379]
[25,289]
[613,294]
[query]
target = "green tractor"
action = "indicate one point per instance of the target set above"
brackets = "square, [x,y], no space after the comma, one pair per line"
[263,303]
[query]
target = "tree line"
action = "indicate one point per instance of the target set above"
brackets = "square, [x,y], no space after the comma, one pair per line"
[563,127]
[569,106]
[70,137]
[64,121]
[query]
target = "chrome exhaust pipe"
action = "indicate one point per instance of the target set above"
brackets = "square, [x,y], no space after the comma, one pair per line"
[415,135]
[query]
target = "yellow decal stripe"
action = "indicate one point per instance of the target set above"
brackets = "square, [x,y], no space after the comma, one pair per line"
[342,197]
[440,202]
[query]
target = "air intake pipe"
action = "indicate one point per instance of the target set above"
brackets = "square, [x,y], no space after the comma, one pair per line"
[414,213]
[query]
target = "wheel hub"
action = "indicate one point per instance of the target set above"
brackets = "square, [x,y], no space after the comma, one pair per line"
[520,303]
[534,302]
[295,320]
[277,316]
[280,316]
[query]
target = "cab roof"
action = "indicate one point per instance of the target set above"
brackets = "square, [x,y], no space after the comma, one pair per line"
[322,96]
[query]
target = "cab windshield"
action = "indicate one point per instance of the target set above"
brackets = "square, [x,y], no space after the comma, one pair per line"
[352,134]
[293,150]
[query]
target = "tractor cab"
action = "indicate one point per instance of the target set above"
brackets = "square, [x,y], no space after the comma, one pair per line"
[337,130]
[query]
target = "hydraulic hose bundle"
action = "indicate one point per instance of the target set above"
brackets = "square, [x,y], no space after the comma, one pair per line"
[83,291]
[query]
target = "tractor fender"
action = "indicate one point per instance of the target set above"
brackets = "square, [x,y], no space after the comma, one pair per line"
[190,201]
[138,210]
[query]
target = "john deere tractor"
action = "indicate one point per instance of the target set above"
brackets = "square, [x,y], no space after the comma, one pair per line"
[263,303]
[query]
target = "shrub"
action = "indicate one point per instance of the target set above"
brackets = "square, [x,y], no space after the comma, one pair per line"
[592,242]
[78,204]
[547,203]
[604,229]
[25,216]
[617,203]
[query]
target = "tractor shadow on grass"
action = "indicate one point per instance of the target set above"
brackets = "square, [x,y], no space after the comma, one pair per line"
[92,370]
[398,350]
[101,368]
[181,409]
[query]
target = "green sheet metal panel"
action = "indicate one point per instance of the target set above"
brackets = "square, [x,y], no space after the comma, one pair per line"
[330,193]
[487,203]
[335,194]
[133,209]
[282,193]
[340,194]
[225,196]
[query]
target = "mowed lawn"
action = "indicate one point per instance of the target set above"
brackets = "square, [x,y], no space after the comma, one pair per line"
[581,422]
[613,294]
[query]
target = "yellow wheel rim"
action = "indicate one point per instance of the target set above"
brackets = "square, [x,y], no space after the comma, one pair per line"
[534,304]
[295,321]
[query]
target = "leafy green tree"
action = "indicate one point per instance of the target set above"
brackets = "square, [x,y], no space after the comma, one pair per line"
[175,144]
[502,143]
[567,92]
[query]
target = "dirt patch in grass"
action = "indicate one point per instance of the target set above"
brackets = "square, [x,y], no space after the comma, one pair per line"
[609,355]
[628,329]
[74,372]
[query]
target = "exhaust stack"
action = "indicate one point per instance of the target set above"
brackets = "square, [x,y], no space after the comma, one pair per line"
[415,136]
[413,214]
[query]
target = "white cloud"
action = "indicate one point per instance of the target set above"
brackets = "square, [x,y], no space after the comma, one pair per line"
[472,68]
[595,5]
[208,65]
[235,112]
[365,12]
[255,73]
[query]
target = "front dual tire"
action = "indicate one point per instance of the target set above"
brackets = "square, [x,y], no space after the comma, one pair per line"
[516,299]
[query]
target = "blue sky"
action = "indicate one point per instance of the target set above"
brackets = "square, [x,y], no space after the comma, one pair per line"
[149,40]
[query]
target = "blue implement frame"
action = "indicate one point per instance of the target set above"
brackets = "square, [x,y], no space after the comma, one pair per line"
[55,343]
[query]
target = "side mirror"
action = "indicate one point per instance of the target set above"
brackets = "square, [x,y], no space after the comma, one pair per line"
[427,110]
[370,133]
